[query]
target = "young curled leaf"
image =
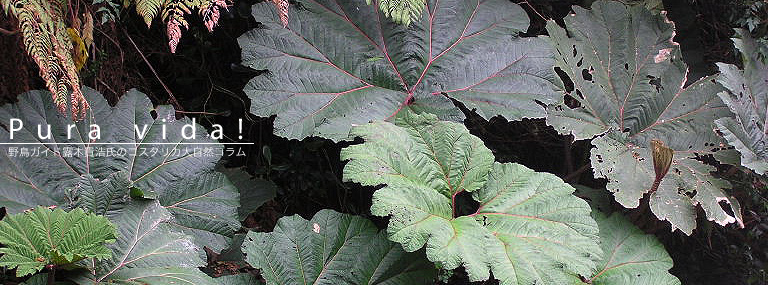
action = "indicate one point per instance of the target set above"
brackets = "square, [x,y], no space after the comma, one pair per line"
[662,159]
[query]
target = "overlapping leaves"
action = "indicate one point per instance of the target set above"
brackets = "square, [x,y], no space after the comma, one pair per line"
[528,229]
[747,98]
[71,169]
[333,248]
[340,63]
[631,87]
[401,11]
[34,239]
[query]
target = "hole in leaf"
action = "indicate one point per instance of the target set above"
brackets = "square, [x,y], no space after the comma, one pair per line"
[564,77]
[726,207]
[572,102]
[465,205]
[586,75]
[580,94]
[656,82]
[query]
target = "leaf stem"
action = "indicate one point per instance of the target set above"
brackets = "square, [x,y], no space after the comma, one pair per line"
[51,274]
[453,203]
[9,33]
[172,98]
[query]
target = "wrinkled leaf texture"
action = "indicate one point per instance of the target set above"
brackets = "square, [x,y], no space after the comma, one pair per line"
[631,257]
[747,98]
[341,63]
[150,249]
[333,248]
[203,202]
[34,239]
[632,86]
[528,229]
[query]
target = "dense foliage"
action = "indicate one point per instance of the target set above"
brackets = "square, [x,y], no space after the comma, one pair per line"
[387,141]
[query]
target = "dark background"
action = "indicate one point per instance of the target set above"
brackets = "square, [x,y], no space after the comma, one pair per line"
[206,79]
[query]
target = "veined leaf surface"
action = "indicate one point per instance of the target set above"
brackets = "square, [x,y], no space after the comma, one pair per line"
[631,257]
[747,98]
[632,87]
[62,173]
[149,250]
[42,236]
[340,63]
[333,248]
[528,229]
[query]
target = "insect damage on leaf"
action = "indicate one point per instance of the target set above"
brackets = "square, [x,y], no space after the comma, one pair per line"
[638,90]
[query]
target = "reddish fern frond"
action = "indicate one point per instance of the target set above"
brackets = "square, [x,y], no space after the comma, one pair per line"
[210,13]
[173,13]
[282,10]
[174,33]
[46,40]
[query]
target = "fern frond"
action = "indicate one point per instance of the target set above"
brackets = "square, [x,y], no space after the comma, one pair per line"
[282,10]
[175,10]
[46,40]
[173,13]
[210,13]
[87,32]
[401,11]
[148,9]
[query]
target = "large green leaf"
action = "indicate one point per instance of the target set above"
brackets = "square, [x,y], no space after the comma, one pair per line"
[333,248]
[747,97]
[204,202]
[43,236]
[528,228]
[340,63]
[632,87]
[240,279]
[149,250]
[631,256]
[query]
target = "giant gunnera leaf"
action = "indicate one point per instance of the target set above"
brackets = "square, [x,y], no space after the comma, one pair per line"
[135,151]
[340,63]
[149,249]
[630,257]
[333,248]
[527,229]
[747,97]
[42,236]
[631,87]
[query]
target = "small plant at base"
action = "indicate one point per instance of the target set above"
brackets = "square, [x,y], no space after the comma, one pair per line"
[51,238]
